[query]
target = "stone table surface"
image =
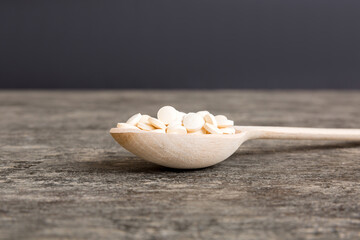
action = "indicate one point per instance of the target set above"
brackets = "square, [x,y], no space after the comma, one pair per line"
[62,176]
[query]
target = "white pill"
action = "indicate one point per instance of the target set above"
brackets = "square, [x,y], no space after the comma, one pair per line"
[157,123]
[167,114]
[209,118]
[134,119]
[144,119]
[203,113]
[159,130]
[199,132]
[226,123]
[220,118]
[228,130]
[125,125]
[193,122]
[180,116]
[176,130]
[212,129]
[176,123]
[145,126]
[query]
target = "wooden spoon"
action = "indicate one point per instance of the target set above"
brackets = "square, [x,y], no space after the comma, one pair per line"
[187,151]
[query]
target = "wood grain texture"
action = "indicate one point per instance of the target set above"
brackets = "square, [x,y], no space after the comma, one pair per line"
[187,151]
[62,176]
[180,151]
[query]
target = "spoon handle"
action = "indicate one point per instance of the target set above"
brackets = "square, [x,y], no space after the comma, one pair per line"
[295,133]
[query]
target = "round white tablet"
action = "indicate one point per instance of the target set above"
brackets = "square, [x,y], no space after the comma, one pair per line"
[157,123]
[220,118]
[167,114]
[203,113]
[176,130]
[125,125]
[176,123]
[212,129]
[209,118]
[224,124]
[199,132]
[180,116]
[145,126]
[134,119]
[228,130]
[158,130]
[193,122]
[144,119]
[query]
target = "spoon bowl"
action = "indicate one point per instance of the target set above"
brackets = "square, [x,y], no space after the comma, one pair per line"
[184,151]
[190,151]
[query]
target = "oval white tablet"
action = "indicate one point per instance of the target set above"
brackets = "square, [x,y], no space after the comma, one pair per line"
[226,123]
[176,130]
[228,130]
[134,119]
[193,122]
[212,129]
[209,118]
[145,126]
[167,114]
[157,123]
[125,125]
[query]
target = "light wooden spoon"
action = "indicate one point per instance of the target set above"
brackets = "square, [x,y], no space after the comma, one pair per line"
[187,151]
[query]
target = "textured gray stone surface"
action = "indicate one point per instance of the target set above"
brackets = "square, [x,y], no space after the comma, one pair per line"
[62,176]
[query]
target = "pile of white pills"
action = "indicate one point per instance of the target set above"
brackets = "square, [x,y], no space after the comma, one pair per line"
[170,120]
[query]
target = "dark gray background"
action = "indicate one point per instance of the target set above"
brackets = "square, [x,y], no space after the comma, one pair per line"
[180,44]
